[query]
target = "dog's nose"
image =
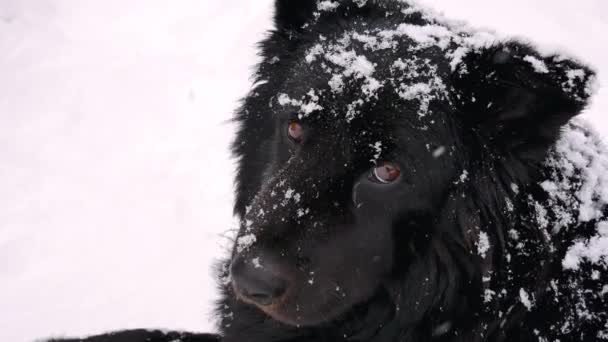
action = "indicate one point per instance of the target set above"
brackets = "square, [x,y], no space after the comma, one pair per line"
[257,279]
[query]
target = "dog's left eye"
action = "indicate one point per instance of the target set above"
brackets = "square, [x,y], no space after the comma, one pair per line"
[385,173]
[295,131]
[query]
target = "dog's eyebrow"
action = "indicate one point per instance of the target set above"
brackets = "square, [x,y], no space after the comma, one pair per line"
[287,106]
[287,115]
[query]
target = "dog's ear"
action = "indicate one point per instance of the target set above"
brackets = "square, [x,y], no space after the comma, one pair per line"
[293,14]
[518,100]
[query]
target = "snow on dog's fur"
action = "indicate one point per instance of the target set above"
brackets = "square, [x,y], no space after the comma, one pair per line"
[406,178]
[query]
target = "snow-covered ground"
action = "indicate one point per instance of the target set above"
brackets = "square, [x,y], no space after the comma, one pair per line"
[115,176]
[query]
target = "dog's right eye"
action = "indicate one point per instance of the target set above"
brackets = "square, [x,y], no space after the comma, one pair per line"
[295,131]
[385,173]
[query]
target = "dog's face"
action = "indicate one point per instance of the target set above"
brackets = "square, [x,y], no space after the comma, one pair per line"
[332,193]
[349,147]
[334,188]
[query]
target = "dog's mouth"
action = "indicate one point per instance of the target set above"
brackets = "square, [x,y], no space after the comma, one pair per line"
[357,320]
[303,303]
[294,296]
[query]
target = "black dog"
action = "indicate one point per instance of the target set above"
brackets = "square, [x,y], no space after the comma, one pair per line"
[403,178]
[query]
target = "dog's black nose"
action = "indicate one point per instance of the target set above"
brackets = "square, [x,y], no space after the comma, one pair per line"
[257,279]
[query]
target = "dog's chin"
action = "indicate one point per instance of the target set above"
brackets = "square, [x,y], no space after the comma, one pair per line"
[301,319]
[296,316]
[332,312]
[303,312]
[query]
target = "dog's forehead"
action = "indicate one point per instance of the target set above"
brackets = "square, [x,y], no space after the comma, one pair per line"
[346,75]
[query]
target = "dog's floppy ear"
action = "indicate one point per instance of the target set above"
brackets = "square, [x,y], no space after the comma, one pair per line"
[517,99]
[292,14]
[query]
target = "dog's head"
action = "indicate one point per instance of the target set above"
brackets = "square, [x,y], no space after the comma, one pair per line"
[368,120]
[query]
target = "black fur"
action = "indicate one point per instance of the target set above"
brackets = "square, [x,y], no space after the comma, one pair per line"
[406,262]
[292,14]
[468,244]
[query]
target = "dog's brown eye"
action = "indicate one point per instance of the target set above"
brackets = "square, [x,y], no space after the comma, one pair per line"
[295,131]
[385,173]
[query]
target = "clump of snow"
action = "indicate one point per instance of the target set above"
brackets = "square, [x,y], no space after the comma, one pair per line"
[302,212]
[413,91]
[514,188]
[285,100]
[525,299]
[306,107]
[483,244]
[577,192]
[488,295]
[327,5]
[289,193]
[439,151]
[592,86]
[311,280]
[370,88]
[509,205]
[412,80]
[353,64]
[463,177]
[424,35]
[352,109]
[574,77]
[343,60]
[406,75]
[371,42]
[538,65]
[602,228]
[313,52]
[344,64]
[456,37]
[456,56]
[542,217]
[256,263]
[244,242]
[377,147]
[594,250]
[580,155]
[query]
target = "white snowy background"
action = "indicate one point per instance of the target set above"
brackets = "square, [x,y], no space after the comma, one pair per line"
[115,174]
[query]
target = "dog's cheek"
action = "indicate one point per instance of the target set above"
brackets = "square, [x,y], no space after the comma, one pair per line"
[362,256]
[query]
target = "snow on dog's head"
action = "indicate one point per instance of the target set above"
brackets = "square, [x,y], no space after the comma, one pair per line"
[378,155]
